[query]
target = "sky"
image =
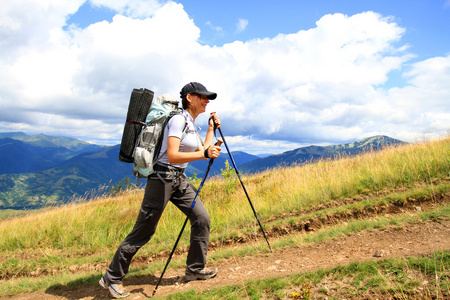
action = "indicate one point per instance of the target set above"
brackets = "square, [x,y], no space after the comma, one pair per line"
[288,73]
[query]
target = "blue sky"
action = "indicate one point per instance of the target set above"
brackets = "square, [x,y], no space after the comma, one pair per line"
[288,73]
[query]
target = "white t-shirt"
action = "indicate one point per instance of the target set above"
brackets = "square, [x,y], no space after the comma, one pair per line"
[175,127]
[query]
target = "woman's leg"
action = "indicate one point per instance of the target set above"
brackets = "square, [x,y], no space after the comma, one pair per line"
[157,194]
[200,225]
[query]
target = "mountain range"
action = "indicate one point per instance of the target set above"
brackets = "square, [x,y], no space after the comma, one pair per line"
[313,153]
[22,153]
[40,170]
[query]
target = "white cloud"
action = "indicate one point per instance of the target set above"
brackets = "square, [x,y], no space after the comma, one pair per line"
[426,99]
[322,85]
[300,83]
[213,27]
[89,73]
[241,25]
[31,23]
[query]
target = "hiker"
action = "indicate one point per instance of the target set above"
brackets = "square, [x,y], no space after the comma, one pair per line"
[168,183]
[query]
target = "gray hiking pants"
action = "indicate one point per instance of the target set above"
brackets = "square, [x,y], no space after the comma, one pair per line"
[157,194]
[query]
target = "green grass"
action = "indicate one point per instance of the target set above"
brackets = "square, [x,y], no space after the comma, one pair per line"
[348,189]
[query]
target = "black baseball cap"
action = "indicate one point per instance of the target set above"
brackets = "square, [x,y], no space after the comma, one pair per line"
[197,88]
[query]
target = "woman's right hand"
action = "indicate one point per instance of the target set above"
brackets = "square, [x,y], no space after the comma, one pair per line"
[213,151]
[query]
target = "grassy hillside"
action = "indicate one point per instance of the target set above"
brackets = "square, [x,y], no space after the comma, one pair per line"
[49,183]
[43,249]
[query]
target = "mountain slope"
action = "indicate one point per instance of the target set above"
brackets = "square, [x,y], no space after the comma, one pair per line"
[312,153]
[82,174]
[199,167]
[75,177]
[55,148]
[46,141]
[20,157]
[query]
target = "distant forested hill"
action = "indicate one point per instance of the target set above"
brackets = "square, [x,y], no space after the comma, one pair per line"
[22,153]
[312,153]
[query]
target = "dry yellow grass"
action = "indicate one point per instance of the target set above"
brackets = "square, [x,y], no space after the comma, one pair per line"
[99,224]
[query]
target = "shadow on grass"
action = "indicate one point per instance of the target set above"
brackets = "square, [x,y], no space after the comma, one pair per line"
[88,287]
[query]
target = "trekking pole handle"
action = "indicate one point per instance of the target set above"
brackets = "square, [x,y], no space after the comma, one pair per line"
[218,143]
[213,119]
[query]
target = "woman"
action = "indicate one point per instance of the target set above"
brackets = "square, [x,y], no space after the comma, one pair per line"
[168,183]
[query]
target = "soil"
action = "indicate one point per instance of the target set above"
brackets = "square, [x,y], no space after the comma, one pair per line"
[408,240]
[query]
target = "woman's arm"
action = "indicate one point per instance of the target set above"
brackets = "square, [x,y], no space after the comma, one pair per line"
[174,156]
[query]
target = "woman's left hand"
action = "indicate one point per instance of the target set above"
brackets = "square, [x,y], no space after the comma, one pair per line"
[214,120]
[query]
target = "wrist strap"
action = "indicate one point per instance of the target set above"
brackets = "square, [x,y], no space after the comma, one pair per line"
[206,152]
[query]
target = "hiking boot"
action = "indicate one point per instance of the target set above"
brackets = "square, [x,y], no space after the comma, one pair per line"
[202,275]
[116,290]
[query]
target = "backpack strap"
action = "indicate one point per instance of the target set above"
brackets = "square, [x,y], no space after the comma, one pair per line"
[183,135]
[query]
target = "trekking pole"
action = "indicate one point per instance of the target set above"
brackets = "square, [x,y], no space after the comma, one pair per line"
[245,190]
[219,142]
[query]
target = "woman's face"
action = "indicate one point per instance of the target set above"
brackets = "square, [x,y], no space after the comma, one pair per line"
[199,103]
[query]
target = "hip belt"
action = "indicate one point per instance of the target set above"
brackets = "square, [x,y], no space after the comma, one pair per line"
[166,172]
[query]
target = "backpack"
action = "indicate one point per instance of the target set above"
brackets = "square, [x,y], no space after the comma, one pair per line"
[138,109]
[148,144]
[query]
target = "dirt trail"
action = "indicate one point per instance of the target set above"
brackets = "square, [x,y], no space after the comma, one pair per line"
[410,240]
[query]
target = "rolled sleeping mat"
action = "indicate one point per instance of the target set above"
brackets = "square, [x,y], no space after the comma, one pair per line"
[138,109]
